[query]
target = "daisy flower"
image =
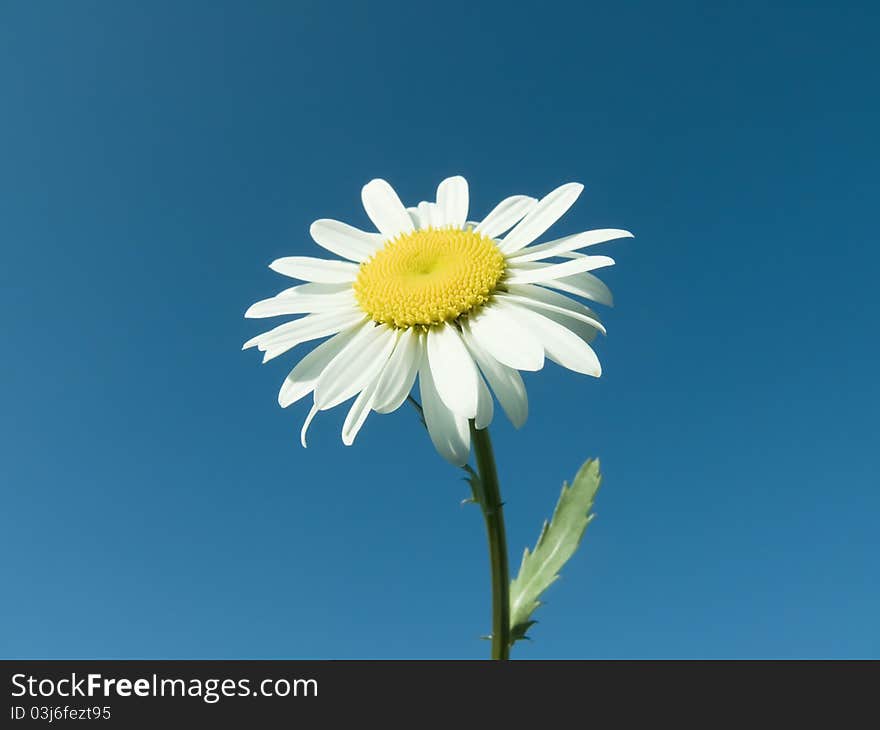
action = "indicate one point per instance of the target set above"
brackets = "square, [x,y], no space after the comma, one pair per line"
[455,303]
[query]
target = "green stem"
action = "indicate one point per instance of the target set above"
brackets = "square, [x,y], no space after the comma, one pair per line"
[493,512]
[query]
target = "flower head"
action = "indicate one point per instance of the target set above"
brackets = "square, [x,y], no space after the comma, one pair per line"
[436,297]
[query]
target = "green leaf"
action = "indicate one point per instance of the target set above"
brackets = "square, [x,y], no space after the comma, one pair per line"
[477,494]
[557,542]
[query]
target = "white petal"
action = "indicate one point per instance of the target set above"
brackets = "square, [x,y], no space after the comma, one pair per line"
[302,379]
[312,269]
[357,414]
[345,240]
[560,308]
[537,291]
[506,382]
[506,214]
[311,327]
[525,274]
[385,209]
[568,243]
[561,344]
[455,375]
[583,330]
[584,285]
[536,304]
[301,304]
[503,337]
[452,201]
[308,422]
[400,372]
[354,367]
[449,433]
[485,407]
[548,210]
[312,288]
[416,218]
[429,216]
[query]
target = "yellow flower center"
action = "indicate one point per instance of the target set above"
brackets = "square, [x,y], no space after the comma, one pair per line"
[428,277]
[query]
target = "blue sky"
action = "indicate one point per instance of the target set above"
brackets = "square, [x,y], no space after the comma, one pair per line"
[157,156]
